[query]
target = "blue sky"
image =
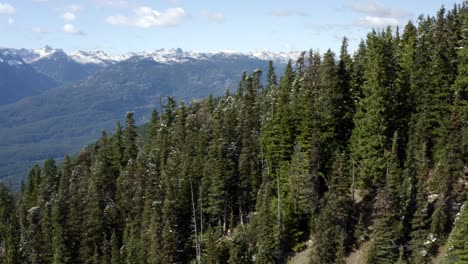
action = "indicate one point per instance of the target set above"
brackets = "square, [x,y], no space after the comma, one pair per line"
[118,26]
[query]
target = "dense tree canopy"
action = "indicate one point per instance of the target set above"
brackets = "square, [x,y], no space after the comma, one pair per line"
[342,149]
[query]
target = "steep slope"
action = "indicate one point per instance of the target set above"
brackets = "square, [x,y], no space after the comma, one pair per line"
[18,79]
[61,121]
[60,67]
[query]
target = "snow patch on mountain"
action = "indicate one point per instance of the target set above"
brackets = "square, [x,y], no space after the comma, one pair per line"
[44,52]
[9,57]
[14,62]
[180,56]
[167,56]
[282,57]
[97,57]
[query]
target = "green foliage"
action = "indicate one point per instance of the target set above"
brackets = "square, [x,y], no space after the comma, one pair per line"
[369,137]
[457,251]
[9,228]
[63,120]
[348,151]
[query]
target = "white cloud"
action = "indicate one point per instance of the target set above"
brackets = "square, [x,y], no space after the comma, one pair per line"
[375,21]
[68,16]
[40,1]
[6,8]
[71,29]
[10,21]
[376,14]
[38,30]
[214,17]
[375,9]
[146,17]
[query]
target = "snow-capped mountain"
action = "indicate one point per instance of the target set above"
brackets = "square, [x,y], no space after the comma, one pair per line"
[180,56]
[19,79]
[278,57]
[102,87]
[100,59]
[29,55]
[59,66]
[44,52]
[10,57]
[97,57]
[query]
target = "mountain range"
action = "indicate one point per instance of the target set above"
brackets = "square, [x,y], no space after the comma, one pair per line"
[19,79]
[66,99]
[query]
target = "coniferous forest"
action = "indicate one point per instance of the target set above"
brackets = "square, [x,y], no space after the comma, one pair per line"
[343,152]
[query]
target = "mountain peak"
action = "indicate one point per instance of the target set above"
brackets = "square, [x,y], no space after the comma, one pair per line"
[38,54]
[47,48]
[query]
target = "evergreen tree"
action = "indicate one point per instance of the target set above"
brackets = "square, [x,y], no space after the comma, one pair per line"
[344,99]
[249,129]
[371,121]
[457,246]
[129,139]
[334,225]
[61,242]
[386,239]
[9,228]
[117,148]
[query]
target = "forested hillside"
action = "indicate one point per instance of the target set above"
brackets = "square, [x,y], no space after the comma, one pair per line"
[343,149]
[58,122]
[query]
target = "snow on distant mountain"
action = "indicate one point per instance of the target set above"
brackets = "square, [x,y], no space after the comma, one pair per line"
[59,66]
[29,55]
[279,57]
[18,79]
[78,65]
[44,52]
[180,56]
[10,57]
[99,59]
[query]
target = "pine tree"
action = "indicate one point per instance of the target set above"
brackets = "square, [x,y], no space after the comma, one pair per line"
[419,218]
[266,241]
[271,77]
[344,99]
[371,121]
[129,139]
[333,230]
[450,171]
[117,148]
[47,189]
[115,249]
[388,233]
[61,242]
[403,99]
[77,190]
[153,128]
[249,129]
[457,246]
[9,228]
[239,250]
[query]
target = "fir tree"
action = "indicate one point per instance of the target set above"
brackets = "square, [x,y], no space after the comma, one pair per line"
[371,121]
[9,228]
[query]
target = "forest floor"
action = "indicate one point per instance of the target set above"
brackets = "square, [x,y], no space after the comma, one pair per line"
[440,255]
[302,257]
[358,255]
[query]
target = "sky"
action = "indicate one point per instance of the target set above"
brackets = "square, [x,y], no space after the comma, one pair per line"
[119,26]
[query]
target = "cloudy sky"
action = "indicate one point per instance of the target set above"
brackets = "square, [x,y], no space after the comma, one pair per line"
[117,26]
